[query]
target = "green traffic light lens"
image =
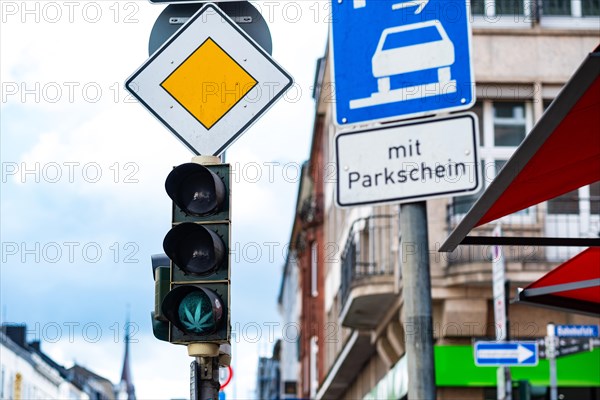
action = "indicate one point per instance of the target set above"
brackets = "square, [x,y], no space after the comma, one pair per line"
[196,313]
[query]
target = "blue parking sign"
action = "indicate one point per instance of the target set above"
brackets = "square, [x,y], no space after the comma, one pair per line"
[397,59]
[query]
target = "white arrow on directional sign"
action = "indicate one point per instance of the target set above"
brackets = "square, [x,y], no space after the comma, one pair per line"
[209,82]
[507,354]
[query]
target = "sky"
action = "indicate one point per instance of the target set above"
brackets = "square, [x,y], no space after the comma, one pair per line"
[82,197]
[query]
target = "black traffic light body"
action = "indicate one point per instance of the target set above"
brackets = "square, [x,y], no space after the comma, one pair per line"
[197,305]
[162,284]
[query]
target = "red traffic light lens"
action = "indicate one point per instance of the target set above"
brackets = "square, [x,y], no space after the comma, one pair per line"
[195,189]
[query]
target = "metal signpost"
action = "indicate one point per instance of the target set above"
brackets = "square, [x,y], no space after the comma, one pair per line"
[504,383]
[392,61]
[556,346]
[399,59]
[209,82]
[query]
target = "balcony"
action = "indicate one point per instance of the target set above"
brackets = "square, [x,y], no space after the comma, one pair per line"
[370,271]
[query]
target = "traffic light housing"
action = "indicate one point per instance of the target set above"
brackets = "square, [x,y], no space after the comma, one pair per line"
[197,305]
[162,282]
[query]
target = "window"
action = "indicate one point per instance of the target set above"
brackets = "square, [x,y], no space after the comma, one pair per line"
[571,8]
[590,8]
[574,215]
[557,7]
[509,7]
[478,7]
[314,371]
[462,204]
[509,124]
[477,109]
[566,14]
[502,127]
[503,13]
[568,203]
[570,14]
[595,199]
[497,7]
[587,197]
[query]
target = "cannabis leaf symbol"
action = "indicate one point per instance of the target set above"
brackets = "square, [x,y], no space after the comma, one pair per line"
[195,321]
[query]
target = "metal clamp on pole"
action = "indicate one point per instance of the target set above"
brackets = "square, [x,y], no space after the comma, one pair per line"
[204,378]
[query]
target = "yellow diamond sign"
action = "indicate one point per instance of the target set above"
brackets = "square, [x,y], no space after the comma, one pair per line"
[209,83]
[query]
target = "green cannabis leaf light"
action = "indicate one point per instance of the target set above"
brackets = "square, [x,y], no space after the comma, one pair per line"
[195,313]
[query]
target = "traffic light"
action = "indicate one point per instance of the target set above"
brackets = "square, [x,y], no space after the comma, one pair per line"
[197,305]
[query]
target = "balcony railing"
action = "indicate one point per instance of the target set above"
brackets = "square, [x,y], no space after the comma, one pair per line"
[371,250]
[568,216]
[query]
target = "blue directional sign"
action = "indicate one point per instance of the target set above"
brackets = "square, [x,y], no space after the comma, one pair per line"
[401,58]
[494,354]
[576,330]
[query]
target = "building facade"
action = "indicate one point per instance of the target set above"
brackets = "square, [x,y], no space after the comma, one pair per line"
[348,261]
[26,374]
[289,308]
[29,374]
[269,375]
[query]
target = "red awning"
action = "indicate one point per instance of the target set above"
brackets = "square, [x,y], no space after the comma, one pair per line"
[561,154]
[572,286]
[567,160]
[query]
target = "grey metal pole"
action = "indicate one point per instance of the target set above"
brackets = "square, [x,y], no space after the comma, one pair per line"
[507,374]
[551,353]
[204,378]
[416,289]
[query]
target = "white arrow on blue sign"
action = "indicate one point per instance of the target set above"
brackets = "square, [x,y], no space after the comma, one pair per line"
[494,354]
[398,59]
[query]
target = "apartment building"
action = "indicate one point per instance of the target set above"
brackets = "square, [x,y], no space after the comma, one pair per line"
[349,291]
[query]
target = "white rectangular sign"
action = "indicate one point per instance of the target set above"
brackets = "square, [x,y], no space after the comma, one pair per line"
[408,162]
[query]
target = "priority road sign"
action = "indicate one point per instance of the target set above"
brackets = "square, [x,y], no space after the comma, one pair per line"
[209,82]
[400,59]
[494,354]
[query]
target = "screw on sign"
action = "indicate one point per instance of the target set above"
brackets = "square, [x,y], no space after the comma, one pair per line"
[225,376]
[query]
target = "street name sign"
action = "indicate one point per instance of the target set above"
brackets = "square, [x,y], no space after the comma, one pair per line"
[576,330]
[494,354]
[400,59]
[209,82]
[573,346]
[408,162]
